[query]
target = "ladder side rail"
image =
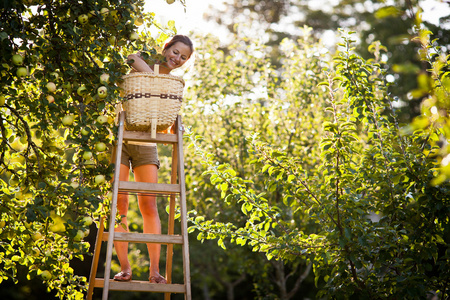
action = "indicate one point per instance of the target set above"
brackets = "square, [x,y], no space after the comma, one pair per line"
[95,259]
[113,206]
[171,225]
[183,210]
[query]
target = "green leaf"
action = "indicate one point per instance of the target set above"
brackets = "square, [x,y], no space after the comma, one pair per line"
[224,186]
[221,244]
[290,178]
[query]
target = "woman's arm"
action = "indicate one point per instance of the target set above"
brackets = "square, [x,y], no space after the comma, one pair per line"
[138,64]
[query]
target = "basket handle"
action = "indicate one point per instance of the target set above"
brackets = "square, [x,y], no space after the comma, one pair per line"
[154,120]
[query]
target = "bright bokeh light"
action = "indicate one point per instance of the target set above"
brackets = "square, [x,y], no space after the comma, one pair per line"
[187,19]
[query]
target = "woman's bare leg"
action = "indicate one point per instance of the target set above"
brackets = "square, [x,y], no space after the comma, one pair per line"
[149,211]
[122,207]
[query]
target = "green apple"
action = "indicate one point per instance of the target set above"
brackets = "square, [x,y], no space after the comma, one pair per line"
[35,251]
[67,120]
[82,90]
[104,11]
[50,99]
[87,155]
[112,40]
[102,119]
[37,236]
[138,21]
[14,180]
[99,179]
[46,275]
[58,226]
[84,131]
[83,19]
[102,92]
[51,87]
[89,163]
[17,59]
[87,221]
[23,139]
[74,184]
[2,100]
[134,36]
[86,232]
[100,147]
[170,1]
[104,78]
[79,236]
[22,72]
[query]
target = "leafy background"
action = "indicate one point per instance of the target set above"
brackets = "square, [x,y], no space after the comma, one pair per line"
[312,171]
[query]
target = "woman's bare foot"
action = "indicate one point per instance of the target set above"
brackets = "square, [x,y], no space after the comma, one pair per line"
[123,276]
[157,278]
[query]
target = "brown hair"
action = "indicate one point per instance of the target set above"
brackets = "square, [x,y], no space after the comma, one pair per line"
[180,38]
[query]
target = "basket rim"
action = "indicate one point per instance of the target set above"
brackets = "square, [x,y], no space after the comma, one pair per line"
[151,74]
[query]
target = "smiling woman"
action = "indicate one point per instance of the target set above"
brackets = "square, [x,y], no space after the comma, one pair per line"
[176,52]
[143,159]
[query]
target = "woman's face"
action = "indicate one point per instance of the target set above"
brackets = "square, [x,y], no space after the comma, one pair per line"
[176,55]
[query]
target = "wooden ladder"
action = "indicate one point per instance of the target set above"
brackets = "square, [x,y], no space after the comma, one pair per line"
[173,189]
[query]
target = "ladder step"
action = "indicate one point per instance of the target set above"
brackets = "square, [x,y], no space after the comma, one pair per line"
[136,237]
[142,136]
[141,286]
[147,187]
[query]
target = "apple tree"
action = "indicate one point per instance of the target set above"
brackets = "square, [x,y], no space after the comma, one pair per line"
[433,90]
[242,99]
[59,64]
[311,164]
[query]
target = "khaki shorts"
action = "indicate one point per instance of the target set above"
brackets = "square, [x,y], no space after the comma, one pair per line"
[138,155]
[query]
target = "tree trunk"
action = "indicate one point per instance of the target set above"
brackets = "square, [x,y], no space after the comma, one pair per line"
[281,279]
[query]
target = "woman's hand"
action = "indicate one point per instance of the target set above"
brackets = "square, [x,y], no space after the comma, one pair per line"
[138,64]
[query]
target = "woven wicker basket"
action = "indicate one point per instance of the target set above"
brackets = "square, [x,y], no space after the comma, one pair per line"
[153,100]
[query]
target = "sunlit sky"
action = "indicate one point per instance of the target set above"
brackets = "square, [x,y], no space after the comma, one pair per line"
[185,21]
[192,18]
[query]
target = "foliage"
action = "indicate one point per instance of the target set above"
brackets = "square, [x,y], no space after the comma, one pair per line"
[434,91]
[54,126]
[353,196]
[236,101]
[393,23]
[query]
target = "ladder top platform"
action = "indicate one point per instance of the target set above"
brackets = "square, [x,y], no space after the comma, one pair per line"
[142,136]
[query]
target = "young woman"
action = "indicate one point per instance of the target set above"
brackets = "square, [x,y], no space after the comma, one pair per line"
[145,163]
